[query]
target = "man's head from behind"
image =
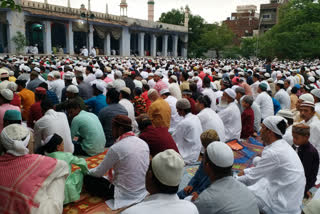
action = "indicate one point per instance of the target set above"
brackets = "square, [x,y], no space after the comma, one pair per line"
[164,173]
[218,160]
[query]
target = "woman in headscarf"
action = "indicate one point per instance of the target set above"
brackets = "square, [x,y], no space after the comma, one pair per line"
[36,183]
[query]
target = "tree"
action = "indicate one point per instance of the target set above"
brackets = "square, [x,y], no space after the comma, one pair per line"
[196,28]
[9,4]
[20,41]
[248,47]
[217,38]
[297,34]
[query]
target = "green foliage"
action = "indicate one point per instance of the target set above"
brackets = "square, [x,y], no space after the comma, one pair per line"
[231,52]
[20,41]
[217,38]
[248,47]
[297,35]
[9,4]
[196,28]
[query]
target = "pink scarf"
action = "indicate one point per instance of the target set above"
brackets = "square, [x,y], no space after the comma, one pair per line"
[20,179]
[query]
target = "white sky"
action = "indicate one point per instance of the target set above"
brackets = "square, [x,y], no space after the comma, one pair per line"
[210,10]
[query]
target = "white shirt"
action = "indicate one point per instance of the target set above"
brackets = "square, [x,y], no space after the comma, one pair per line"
[163,204]
[89,78]
[175,117]
[50,196]
[130,109]
[93,52]
[84,52]
[254,88]
[231,119]
[264,101]
[210,93]
[187,138]
[129,159]
[278,180]
[151,83]
[175,90]
[210,120]
[53,123]
[257,116]
[317,107]
[284,99]
[288,136]
[57,86]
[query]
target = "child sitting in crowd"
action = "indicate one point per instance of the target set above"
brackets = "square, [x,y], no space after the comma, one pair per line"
[53,146]
[307,153]
[200,181]
[247,117]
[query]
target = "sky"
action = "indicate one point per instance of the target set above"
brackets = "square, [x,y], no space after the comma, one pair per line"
[210,10]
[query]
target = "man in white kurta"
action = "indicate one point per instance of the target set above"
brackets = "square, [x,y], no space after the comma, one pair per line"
[187,133]
[316,95]
[231,116]
[278,180]
[282,96]
[172,101]
[209,92]
[174,88]
[264,101]
[124,101]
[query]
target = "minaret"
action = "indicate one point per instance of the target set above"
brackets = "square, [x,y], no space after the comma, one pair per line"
[151,10]
[107,9]
[69,4]
[123,8]
[186,16]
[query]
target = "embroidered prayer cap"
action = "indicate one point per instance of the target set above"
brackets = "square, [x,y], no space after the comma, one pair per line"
[271,123]
[285,113]
[100,87]
[158,73]
[174,77]
[164,91]
[307,104]
[118,73]
[122,120]
[183,104]
[312,207]
[301,129]
[316,92]
[126,90]
[168,167]
[209,136]
[280,82]
[151,91]
[263,86]
[220,154]
[307,97]
[230,93]
[4,73]
[15,139]
[40,90]
[73,89]
[98,73]
[7,94]
[68,76]
[12,115]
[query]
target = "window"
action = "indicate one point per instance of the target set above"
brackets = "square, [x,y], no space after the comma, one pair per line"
[266,16]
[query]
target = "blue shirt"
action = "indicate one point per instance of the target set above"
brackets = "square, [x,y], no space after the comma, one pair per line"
[200,181]
[97,103]
[276,106]
[52,97]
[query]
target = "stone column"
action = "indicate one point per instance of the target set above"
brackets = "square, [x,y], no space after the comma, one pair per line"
[185,48]
[141,44]
[47,43]
[107,45]
[153,45]
[175,45]
[165,45]
[91,43]
[15,24]
[69,40]
[125,42]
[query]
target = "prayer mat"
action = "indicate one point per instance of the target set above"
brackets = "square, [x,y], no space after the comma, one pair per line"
[89,204]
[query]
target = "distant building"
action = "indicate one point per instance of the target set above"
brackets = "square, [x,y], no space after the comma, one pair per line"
[243,22]
[269,15]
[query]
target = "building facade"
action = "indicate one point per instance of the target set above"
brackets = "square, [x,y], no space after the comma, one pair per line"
[243,22]
[55,28]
